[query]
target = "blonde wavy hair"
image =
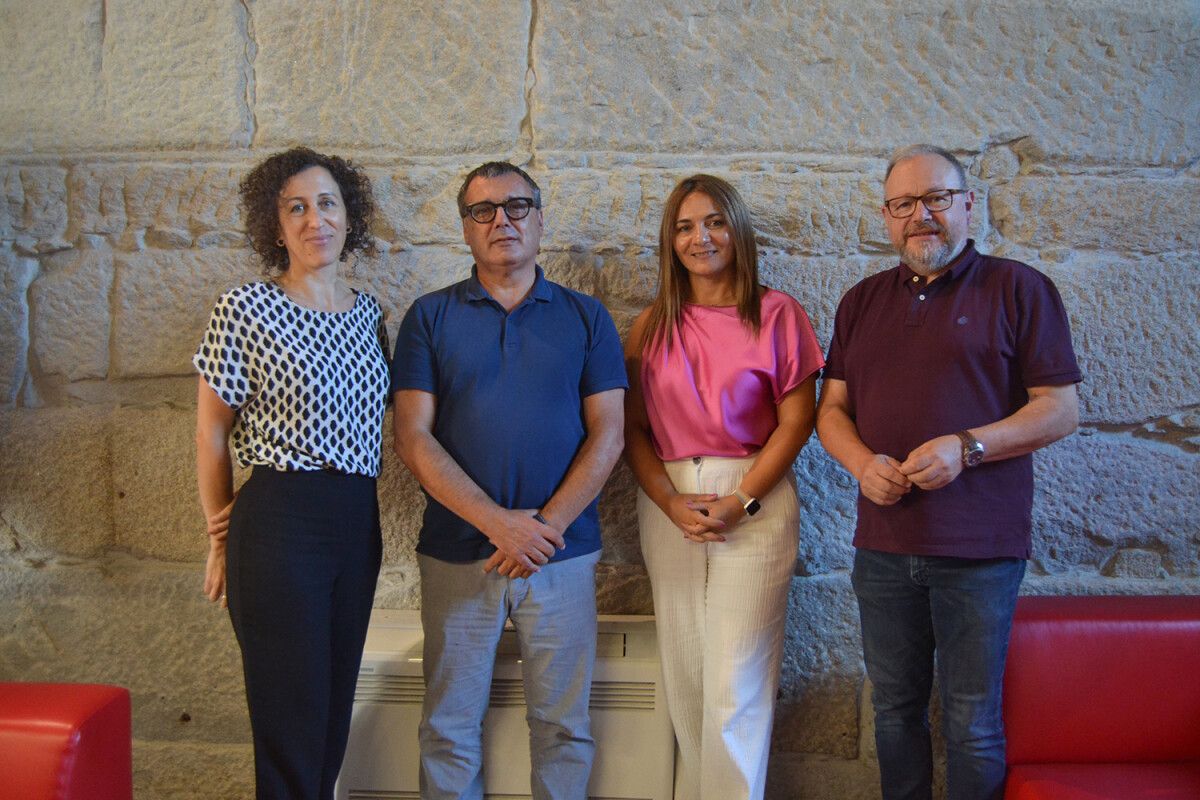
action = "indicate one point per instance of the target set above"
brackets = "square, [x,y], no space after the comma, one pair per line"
[673,283]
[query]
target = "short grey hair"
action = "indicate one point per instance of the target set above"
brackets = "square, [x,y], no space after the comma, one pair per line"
[926,150]
[495,169]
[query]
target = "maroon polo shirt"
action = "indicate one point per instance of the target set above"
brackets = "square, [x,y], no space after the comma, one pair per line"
[922,361]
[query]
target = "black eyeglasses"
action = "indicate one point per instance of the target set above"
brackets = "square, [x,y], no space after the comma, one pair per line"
[938,200]
[514,208]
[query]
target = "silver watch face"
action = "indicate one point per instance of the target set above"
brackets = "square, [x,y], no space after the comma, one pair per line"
[972,455]
[972,449]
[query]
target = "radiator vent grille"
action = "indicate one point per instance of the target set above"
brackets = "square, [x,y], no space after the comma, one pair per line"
[390,689]
[506,692]
[623,694]
[370,794]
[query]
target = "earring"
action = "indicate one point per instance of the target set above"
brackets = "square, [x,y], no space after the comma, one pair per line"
[279,242]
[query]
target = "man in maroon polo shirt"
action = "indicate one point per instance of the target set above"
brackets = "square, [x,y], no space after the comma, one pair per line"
[944,374]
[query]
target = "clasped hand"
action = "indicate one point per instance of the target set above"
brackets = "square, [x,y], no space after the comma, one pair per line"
[218,524]
[217,527]
[704,517]
[883,480]
[522,543]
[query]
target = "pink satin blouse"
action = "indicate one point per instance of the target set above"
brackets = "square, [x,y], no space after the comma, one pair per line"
[713,390]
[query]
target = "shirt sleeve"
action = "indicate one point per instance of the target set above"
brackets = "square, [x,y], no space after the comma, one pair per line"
[381,333]
[413,363]
[385,346]
[1043,335]
[797,352]
[223,359]
[834,366]
[604,367]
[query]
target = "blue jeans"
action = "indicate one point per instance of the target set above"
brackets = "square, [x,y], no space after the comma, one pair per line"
[463,613]
[910,607]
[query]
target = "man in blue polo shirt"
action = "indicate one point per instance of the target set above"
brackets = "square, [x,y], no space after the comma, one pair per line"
[944,374]
[509,393]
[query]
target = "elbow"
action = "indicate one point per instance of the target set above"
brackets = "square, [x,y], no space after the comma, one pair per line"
[806,428]
[1067,416]
[821,429]
[403,447]
[1070,420]
[614,445]
[210,442]
[203,433]
[410,444]
[805,437]
[1062,424]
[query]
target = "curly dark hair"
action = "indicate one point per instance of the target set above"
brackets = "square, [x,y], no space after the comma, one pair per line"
[259,192]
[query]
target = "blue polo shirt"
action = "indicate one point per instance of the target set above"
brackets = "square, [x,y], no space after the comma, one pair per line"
[509,388]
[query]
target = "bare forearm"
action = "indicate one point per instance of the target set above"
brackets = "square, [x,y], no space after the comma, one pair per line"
[774,460]
[585,478]
[1049,415]
[214,478]
[604,423]
[214,466]
[647,468]
[796,414]
[643,460]
[444,479]
[514,532]
[839,436]
[214,475]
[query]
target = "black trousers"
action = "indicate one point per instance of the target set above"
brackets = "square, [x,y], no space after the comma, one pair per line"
[302,559]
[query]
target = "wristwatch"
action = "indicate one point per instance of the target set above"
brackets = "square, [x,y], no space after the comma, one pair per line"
[972,449]
[750,504]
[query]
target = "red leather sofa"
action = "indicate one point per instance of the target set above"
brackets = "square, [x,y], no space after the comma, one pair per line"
[1102,699]
[65,741]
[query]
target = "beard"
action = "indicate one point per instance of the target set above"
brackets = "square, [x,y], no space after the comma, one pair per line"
[924,257]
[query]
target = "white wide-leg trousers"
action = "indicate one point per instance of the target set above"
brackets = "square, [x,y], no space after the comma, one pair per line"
[720,610]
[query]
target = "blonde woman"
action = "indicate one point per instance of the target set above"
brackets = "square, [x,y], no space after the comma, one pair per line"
[722,375]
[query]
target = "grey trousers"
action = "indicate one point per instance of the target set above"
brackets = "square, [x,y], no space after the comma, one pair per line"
[463,612]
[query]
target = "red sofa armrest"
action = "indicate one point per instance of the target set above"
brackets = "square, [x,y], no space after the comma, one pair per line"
[63,741]
[1104,679]
[1169,781]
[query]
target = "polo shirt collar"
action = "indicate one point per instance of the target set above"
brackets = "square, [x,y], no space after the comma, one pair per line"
[965,260]
[541,287]
[540,290]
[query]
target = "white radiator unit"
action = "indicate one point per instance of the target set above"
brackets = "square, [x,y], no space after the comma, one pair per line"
[635,746]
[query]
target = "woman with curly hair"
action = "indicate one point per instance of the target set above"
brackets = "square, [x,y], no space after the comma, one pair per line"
[722,375]
[293,382]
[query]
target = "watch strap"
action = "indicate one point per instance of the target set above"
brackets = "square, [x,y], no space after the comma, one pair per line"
[749,504]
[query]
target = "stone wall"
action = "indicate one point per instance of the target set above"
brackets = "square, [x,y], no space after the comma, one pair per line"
[125,126]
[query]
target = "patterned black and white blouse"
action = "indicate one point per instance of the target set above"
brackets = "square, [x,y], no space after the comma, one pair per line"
[309,386]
